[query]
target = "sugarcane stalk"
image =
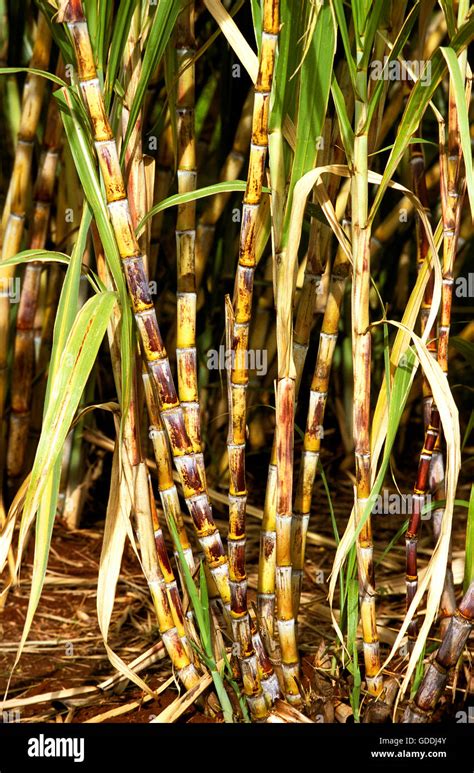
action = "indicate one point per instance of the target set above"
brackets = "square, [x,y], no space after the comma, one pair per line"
[3,36]
[420,189]
[314,431]
[437,673]
[172,591]
[361,359]
[419,494]
[156,566]
[267,560]
[24,350]
[32,98]
[286,624]
[137,194]
[436,475]
[13,220]
[136,190]
[262,342]
[240,618]
[267,556]
[135,174]
[161,581]
[153,350]
[139,185]
[231,169]
[316,258]
[238,327]
[431,431]
[285,400]
[5,119]
[453,188]
[309,302]
[207,221]
[3,61]
[186,354]
[281,568]
[447,604]
[266,672]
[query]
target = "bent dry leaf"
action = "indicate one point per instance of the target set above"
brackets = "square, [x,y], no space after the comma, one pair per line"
[436,569]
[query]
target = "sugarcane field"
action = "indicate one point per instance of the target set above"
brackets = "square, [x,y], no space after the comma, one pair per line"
[236,373]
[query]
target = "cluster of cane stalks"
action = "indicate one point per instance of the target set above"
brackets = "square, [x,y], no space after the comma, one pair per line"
[174,187]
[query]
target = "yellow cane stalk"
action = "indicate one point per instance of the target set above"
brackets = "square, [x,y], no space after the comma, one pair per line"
[314,423]
[153,349]
[230,171]
[155,562]
[186,354]
[361,358]
[239,336]
[163,589]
